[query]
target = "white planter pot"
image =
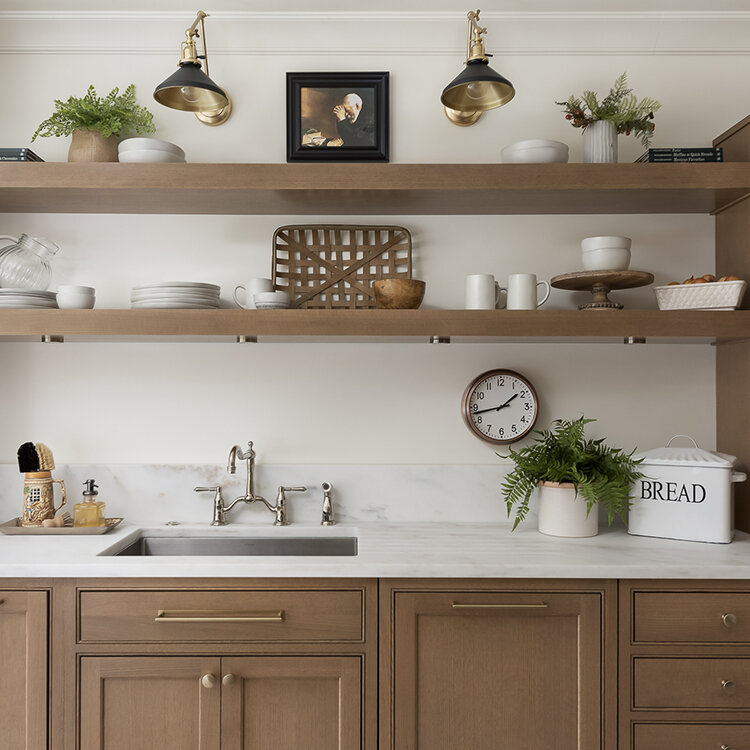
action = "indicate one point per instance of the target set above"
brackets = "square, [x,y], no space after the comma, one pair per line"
[561,513]
[600,143]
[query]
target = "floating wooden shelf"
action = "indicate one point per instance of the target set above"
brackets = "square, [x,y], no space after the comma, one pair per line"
[373,189]
[366,324]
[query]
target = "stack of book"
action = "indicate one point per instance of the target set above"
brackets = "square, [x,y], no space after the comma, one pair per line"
[681,154]
[18,154]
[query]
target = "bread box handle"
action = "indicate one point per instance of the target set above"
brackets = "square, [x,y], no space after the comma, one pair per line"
[674,437]
[739,476]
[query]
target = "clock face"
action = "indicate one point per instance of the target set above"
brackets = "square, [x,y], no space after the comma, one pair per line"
[500,406]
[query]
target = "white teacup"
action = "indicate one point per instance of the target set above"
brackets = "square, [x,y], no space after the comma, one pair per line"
[73,297]
[523,291]
[250,289]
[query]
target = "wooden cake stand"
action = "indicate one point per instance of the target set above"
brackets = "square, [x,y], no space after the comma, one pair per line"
[600,283]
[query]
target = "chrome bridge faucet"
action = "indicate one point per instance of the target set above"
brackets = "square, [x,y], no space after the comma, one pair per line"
[220,510]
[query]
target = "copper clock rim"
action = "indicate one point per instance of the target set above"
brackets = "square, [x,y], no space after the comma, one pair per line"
[465,411]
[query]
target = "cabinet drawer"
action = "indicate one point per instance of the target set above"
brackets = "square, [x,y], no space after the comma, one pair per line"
[212,616]
[691,617]
[691,736]
[691,683]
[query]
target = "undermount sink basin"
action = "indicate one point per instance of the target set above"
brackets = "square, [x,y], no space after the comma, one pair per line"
[241,546]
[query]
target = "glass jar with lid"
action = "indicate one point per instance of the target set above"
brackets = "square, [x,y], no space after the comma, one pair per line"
[26,263]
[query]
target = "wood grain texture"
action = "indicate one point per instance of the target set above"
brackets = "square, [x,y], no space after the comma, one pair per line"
[682,324]
[292,702]
[376,189]
[129,616]
[23,691]
[690,617]
[149,702]
[489,678]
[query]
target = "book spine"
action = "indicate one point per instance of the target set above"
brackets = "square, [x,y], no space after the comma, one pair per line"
[676,159]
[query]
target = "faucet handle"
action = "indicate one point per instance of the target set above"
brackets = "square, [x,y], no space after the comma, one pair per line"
[218,519]
[280,509]
[217,489]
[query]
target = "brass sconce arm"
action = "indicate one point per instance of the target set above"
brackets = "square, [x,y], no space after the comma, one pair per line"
[475,43]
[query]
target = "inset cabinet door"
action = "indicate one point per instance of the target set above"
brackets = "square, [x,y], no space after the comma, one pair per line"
[164,702]
[497,671]
[23,690]
[291,702]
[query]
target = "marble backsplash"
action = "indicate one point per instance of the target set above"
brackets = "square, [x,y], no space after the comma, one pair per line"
[149,494]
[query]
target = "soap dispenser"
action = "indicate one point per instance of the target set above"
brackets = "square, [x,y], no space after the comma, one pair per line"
[89,512]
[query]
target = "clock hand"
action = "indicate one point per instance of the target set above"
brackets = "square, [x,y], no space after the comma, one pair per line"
[496,408]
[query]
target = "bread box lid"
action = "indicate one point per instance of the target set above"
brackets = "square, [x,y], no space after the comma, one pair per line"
[692,455]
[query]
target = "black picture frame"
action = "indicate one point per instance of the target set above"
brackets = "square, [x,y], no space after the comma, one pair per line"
[311,124]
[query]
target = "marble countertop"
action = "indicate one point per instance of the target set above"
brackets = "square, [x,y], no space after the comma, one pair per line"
[385,550]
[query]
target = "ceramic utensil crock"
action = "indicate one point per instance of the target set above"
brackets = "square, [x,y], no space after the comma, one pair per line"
[38,497]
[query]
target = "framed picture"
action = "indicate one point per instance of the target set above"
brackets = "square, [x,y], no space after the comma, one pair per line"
[337,116]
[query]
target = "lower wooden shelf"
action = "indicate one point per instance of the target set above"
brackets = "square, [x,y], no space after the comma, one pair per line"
[683,325]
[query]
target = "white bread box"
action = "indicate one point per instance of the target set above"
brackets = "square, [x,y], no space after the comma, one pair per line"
[686,493]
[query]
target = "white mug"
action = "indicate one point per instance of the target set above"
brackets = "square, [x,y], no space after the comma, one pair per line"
[523,292]
[482,292]
[251,288]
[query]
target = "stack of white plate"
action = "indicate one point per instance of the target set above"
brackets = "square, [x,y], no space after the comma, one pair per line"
[27,298]
[179,294]
[148,150]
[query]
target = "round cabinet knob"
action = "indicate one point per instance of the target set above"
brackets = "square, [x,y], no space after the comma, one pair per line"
[208,680]
[228,679]
[729,620]
[729,687]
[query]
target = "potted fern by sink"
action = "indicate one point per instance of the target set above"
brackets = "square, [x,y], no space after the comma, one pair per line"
[573,475]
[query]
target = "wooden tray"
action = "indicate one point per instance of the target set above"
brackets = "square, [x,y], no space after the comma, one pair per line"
[332,266]
[14,527]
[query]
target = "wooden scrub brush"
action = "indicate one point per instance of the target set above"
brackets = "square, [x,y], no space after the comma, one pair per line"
[46,460]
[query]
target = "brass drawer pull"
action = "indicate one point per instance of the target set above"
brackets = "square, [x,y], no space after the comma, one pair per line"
[729,620]
[208,680]
[729,687]
[458,605]
[191,615]
[726,747]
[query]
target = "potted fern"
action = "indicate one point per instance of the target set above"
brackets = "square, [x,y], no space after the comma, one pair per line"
[618,112]
[573,475]
[96,123]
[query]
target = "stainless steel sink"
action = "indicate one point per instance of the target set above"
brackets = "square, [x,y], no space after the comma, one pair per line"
[241,546]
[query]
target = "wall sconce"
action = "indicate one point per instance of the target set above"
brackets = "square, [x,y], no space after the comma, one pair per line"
[478,87]
[189,88]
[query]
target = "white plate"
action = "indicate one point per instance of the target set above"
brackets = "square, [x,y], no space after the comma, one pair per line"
[144,155]
[175,305]
[140,144]
[181,285]
[158,293]
[27,293]
[271,306]
[12,302]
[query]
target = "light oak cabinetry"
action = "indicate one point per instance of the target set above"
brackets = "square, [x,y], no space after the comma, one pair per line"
[23,689]
[684,665]
[497,664]
[233,665]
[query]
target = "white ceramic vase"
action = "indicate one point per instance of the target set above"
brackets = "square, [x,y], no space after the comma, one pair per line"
[600,143]
[562,513]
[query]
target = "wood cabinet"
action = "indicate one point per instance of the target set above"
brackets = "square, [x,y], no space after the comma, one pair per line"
[233,703]
[236,665]
[684,665]
[485,665]
[23,690]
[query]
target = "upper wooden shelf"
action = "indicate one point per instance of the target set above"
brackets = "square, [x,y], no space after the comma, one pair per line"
[375,189]
[370,324]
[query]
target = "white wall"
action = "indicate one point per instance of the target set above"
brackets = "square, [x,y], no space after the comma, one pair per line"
[357,403]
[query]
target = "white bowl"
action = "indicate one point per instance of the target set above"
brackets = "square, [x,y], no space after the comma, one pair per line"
[74,289]
[606,253]
[138,144]
[141,156]
[268,299]
[535,152]
[75,301]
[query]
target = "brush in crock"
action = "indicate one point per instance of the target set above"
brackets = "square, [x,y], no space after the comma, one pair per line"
[46,459]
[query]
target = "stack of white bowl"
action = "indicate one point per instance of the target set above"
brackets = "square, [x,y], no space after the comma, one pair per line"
[175,294]
[27,298]
[538,151]
[148,150]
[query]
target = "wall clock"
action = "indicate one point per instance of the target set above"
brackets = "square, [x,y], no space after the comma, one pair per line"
[500,406]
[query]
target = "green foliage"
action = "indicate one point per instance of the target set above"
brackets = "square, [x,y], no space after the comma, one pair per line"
[115,114]
[600,474]
[620,106]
